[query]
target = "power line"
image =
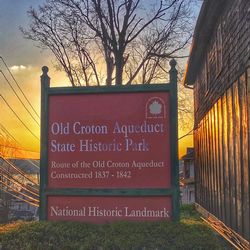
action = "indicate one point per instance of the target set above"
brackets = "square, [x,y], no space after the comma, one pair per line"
[32,163]
[19,87]
[189,133]
[20,198]
[17,170]
[14,185]
[18,97]
[17,183]
[5,130]
[22,149]
[18,117]
[7,175]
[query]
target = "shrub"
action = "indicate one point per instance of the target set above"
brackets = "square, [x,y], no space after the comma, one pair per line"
[189,233]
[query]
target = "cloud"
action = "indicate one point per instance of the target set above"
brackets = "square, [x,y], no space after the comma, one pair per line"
[19,67]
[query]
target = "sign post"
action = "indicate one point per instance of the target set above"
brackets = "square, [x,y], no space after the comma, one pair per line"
[109,153]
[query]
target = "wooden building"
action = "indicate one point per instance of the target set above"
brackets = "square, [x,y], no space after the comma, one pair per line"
[187,182]
[219,71]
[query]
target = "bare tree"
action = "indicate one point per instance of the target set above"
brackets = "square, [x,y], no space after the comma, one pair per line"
[132,38]
[7,145]
[185,103]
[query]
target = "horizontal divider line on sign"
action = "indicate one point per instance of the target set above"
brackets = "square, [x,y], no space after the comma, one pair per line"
[109,192]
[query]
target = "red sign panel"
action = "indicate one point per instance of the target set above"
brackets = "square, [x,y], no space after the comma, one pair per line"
[109,209]
[109,141]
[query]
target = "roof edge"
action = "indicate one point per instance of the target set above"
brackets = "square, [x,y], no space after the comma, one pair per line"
[209,14]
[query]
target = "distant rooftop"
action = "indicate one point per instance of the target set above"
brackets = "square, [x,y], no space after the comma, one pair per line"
[189,155]
[27,165]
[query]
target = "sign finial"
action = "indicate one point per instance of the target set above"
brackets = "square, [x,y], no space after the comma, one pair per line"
[45,79]
[172,63]
[45,70]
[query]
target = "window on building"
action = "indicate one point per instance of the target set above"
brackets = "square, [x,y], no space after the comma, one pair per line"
[205,75]
[202,80]
[218,50]
[187,170]
[248,76]
[191,196]
[191,170]
[196,94]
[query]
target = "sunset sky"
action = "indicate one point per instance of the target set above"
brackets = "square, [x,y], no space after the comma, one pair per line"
[25,61]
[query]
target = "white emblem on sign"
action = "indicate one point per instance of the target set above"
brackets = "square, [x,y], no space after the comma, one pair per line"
[155,108]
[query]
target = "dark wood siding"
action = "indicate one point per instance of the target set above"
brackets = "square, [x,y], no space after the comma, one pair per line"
[222,120]
[226,57]
[222,157]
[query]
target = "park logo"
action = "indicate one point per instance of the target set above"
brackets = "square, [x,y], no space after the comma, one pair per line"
[155,108]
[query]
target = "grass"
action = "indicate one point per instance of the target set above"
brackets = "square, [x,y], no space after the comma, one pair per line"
[189,233]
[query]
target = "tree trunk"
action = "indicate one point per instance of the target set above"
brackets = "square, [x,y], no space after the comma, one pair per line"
[110,68]
[119,69]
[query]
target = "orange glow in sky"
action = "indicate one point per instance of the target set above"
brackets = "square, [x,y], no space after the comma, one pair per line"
[26,140]
[30,80]
[27,132]
[185,142]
